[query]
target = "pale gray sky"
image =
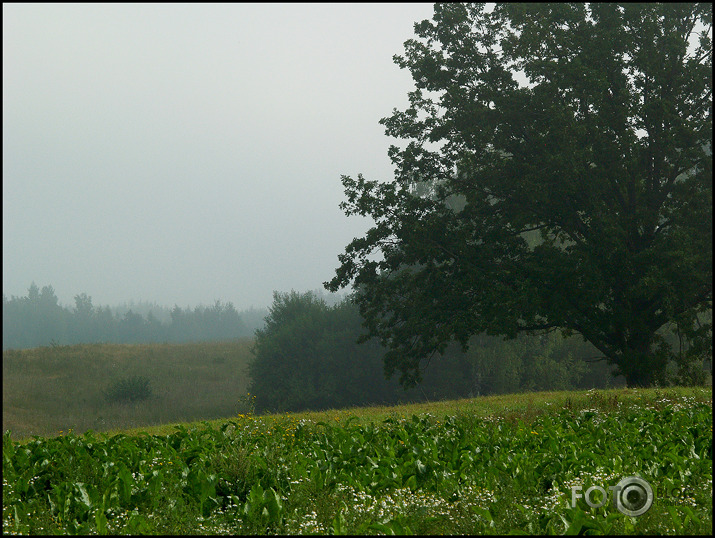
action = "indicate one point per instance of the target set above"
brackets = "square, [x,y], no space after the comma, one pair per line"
[180,154]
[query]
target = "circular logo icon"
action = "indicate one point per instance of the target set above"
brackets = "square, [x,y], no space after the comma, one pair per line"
[634,496]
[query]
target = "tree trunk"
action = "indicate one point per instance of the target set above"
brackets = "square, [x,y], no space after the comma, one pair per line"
[640,364]
[639,378]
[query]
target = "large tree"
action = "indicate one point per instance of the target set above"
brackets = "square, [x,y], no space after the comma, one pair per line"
[556,175]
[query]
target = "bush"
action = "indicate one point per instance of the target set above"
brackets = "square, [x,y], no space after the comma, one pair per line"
[129,389]
[307,357]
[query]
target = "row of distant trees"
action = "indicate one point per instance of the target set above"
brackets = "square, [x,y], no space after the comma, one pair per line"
[38,319]
[307,356]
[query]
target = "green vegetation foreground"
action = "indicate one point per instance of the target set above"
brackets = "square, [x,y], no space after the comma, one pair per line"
[488,465]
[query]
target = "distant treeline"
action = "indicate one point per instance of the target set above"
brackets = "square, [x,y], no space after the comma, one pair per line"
[39,320]
[307,357]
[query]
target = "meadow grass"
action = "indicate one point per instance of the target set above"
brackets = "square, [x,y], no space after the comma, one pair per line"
[206,464]
[61,388]
[511,407]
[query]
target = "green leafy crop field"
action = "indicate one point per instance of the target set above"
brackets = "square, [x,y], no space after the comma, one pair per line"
[510,464]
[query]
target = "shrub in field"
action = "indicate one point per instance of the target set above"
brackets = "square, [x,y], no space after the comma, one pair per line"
[129,389]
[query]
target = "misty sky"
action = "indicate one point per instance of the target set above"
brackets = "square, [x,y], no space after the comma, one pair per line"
[181,154]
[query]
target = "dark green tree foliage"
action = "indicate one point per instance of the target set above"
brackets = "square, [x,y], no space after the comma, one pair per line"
[306,357]
[581,201]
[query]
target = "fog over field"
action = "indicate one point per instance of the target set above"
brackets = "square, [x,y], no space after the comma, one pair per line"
[182,154]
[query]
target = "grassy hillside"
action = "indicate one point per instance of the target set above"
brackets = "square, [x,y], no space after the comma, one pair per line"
[60,388]
[489,465]
[510,407]
[194,459]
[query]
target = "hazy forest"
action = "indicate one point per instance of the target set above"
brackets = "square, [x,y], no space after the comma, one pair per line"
[305,352]
[38,319]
